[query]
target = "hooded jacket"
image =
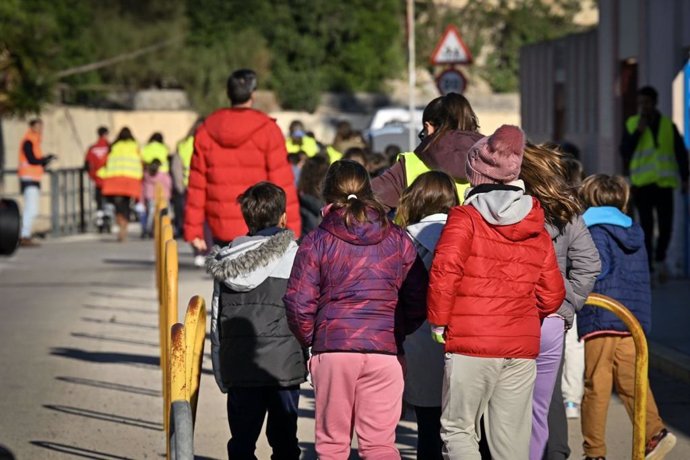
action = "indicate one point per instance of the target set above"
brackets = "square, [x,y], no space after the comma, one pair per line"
[624,273]
[424,357]
[251,344]
[578,260]
[233,150]
[494,275]
[356,289]
[447,154]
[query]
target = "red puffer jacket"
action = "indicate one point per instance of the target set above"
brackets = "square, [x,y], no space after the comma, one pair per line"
[490,285]
[233,150]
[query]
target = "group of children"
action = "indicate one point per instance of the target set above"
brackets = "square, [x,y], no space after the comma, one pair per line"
[459,308]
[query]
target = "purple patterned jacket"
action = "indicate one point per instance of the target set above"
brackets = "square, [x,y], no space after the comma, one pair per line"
[357,289]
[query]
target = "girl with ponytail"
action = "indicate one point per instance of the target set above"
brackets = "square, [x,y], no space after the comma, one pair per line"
[356,289]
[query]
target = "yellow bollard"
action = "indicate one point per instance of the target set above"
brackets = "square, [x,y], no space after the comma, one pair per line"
[641,368]
[177,385]
[195,324]
[165,235]
[157,229]
[170,308]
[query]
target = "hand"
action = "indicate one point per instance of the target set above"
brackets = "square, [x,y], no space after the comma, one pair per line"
[438,333]
[50,158]
[199,244]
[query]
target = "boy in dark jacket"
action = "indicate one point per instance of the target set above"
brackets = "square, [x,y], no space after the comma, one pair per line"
[609,347]
[256,359]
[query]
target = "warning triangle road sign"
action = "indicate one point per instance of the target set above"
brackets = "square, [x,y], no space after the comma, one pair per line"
[451,49]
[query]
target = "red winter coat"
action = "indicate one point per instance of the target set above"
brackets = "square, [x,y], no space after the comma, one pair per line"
[491,285]
[96,157]
[233,150]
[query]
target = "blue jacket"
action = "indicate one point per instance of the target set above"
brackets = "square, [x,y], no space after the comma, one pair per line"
[624,272]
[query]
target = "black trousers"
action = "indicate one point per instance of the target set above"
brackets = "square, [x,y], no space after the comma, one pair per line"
[649,200]
[247,408]
[178,202]
[429,442]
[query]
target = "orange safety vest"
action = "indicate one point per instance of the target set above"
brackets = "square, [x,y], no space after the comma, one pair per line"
[26,170]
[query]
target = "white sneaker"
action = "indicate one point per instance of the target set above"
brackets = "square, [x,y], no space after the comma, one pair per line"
[572,410]
[199,261]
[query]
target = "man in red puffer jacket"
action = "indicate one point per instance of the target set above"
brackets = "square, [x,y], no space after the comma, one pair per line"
[234,149]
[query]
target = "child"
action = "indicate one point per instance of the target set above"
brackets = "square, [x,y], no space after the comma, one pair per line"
[609,348]
[423,210]
[309,191]
[493,279]
[153,177]
[544,175]
[256,359]
[356,289]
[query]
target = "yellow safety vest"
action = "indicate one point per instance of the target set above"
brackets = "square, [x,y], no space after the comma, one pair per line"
[156,151]
[308,146]
[653,164]
[333,154]
[123,161]
[414,167]
[185,148]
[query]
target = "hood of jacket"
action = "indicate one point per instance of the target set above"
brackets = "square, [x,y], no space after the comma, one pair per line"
[513,214]
[311,203]
[449,153]
[359,233]
[231,128]
[250,260]
[617,224]
[427,231]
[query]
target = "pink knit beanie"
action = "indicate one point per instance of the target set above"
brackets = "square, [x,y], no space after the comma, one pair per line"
[496,158]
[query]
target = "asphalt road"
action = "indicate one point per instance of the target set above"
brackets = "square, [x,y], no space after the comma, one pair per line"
[79,352]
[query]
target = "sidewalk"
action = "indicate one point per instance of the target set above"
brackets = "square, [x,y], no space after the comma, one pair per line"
[669,341]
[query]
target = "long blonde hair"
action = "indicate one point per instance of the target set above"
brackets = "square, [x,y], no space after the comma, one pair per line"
[544,174]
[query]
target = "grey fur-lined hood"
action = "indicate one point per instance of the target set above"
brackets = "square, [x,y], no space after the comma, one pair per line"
[250,260]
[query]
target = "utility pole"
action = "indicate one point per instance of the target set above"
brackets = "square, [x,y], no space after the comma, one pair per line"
[411,70]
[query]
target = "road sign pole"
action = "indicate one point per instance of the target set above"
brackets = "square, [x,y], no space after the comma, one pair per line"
[411,69]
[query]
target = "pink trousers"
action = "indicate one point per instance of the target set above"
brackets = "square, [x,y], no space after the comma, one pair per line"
[361,391]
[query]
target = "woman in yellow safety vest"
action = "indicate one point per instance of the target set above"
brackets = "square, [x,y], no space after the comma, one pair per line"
[156,150]
[450,129]
[122,175]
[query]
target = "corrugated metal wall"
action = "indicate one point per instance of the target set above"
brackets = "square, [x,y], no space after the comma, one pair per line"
[572,62]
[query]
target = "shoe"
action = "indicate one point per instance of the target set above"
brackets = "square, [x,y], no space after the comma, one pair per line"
[572,410]
[199,261]
[660,445]
[28,243]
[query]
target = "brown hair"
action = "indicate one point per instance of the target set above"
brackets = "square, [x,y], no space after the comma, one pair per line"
[433,192]
[544,173]
[460,108]
[345,178]
[262,206]
[312,174]
[605,190]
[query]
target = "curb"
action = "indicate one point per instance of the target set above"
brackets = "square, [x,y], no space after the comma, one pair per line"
[669,361]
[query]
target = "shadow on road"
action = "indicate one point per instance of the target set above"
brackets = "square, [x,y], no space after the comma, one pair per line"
[108,295]
[120,309]
[673,398]
[137,262]
[104,338]
[76,451]
[110,386]
[115,322]
[106,357]
[129,421]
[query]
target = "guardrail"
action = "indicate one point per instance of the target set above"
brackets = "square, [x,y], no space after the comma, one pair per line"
[71,195]
[641,368]
[181,345]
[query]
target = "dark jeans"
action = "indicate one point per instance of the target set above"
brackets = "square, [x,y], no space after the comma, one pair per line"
[247,409]
[650,199]
[178,202]
[557,446]
[429,442]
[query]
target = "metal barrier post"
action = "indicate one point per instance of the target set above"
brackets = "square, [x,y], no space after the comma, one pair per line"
[195,325]
[55,203]
[163,321]
[170,307]
[179,431]
[641,368]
